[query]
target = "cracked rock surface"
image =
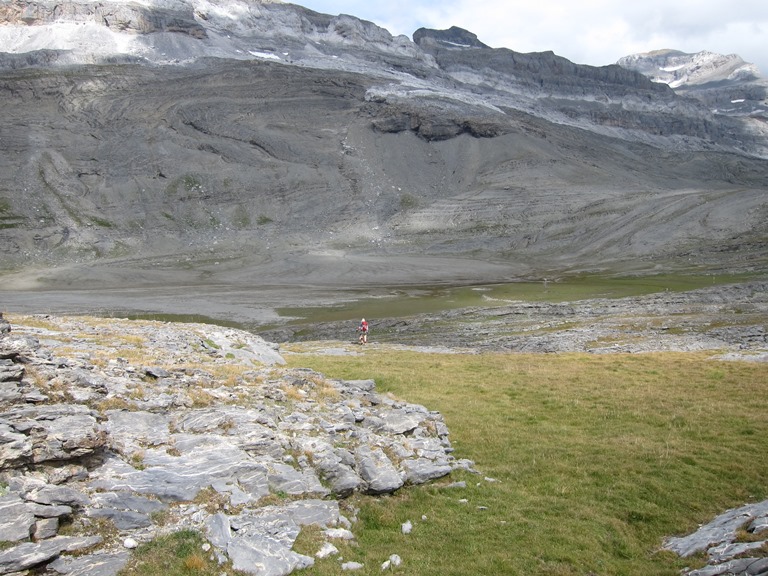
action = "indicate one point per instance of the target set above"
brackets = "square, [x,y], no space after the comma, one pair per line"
[718,539]
[154,427]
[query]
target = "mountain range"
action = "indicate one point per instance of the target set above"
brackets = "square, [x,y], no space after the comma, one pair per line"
[261,143]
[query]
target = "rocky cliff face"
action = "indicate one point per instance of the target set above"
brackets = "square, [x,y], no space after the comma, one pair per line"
[230,141]
[724,83]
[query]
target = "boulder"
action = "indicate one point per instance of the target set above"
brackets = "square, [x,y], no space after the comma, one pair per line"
[264,556]
[98,564]
[314,512]
[84,386]
[29,555]
[739,567]
[127,511]
[342,479]
[122,519]
[57,432]
[203,461]
[16,520]
[45,528]
[5,326]
[721,529]
[57,496]
[9,371]
[156,372]
[18,346]
[10,391]
[260,543]
[43,511]
[422,470]
[243,346]
[378,472]
[132,431]
[400,421]
[287,479]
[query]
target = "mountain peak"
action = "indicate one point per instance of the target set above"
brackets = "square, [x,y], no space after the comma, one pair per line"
[182,31]
[678,68]
[454,38]
[726,84]
[280,145]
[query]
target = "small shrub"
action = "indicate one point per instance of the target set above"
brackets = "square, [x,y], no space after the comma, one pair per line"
[228,374]
[211,500]
[227,425]
[274,498]
[327,393]
[160,517]
[744,535]
[31,373]
[240,218]
[137,460]
[176,554]
[211,344]
[115,403]
[408,202]
[101,222]
[34,322]
[133,340]
[84,526]
[201,398]
[191,181]
[195,562]
[137,393]
[173,451]
[293,393]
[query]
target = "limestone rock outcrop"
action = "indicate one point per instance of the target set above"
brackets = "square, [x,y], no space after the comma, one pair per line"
[96,435]
[718,538]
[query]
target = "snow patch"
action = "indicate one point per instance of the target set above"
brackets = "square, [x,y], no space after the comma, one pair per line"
[455,44]
[67,36]
[672,68]
[228,10]
[267,55]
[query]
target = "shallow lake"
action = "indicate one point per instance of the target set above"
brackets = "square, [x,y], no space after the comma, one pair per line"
[260,309]
[402,302]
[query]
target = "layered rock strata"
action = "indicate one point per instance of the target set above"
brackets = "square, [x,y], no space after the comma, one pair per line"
[135,424]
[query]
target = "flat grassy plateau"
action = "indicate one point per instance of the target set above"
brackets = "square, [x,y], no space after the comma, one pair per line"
[586,462]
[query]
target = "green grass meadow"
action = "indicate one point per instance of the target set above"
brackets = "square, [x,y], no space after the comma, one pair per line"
[596,459]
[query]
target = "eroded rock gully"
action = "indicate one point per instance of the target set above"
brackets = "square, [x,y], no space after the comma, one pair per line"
[154,427]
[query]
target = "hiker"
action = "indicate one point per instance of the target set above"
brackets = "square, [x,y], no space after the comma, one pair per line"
[363,329]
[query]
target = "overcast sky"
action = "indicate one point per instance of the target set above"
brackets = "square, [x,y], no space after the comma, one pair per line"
[596,32]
